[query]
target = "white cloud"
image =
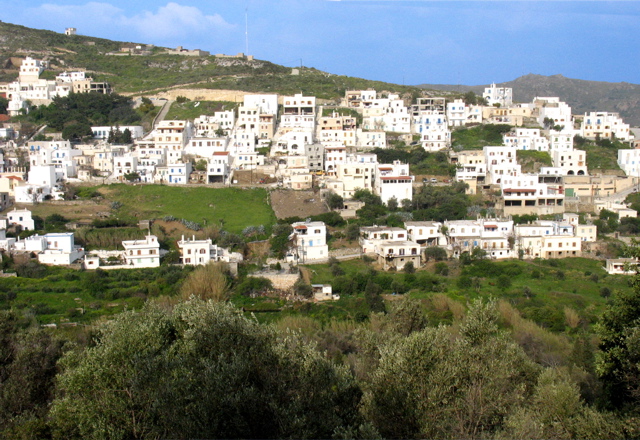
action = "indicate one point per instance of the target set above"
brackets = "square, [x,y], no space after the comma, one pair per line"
[174,20]
[100,14]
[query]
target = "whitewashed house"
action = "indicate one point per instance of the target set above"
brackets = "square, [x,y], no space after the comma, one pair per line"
[392,181]
[142,253]
[371,236]
[498,95]
[605,125]
[310,240]
[21,217]
[198,252]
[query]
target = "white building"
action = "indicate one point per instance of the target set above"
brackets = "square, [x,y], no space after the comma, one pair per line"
[460,114]
[206,125]
[102,132]
[351,176]
[554,109]
[268,104]
[323,292]
[310,241]
[604,125]
[359,99]
[387,114]
[622,266]
[60,249]
[501,162]
[371,236]
[572,163]
[371,139]
[629,162]
[21,217]
[498,95]
[334,155]
[31,194]
[393,181]
[178,173]
[197,252]
[219,168]
[425,233]
[172,136]
[142,253]
[560,140]
[123,165]
[526,139]
[298,111]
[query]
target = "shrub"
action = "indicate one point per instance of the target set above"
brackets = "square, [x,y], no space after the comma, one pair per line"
[503,282]
[254,285]
[303,289]
[442,269]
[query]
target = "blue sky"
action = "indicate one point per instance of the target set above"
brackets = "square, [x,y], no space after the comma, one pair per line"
[411,42]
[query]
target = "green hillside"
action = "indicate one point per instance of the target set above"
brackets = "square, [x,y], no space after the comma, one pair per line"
[160,71]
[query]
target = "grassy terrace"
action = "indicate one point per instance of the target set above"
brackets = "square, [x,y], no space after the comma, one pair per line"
[475,138]
[59,295]
[233,207]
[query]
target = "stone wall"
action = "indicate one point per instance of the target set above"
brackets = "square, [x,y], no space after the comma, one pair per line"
[344,252]
[280,281]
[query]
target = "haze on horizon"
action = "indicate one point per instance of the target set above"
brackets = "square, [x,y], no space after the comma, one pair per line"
[410,42]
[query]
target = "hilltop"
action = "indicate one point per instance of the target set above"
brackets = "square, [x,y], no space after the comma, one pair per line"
[581,95]
[158,71]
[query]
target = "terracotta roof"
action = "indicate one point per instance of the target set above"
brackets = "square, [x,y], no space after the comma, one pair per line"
[221,153]
[4,118]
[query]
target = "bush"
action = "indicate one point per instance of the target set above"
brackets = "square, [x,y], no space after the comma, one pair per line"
[409,268]
[442,269]
[435,253]
[254,285]
[303,289]
[503,282]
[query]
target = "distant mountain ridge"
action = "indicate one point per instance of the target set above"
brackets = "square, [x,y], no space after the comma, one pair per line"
[583,96]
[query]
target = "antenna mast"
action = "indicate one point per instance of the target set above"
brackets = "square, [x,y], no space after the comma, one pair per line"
[246,30]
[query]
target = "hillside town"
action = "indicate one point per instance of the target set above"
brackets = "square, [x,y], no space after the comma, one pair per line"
[413,239]
[293,142]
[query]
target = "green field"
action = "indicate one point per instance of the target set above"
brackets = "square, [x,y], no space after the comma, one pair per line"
[232,208]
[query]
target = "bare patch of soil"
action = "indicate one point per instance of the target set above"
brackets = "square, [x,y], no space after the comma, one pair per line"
[290,203]
[249,177]
[77,210]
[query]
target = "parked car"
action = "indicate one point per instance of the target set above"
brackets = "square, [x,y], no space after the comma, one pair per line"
[434,180]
